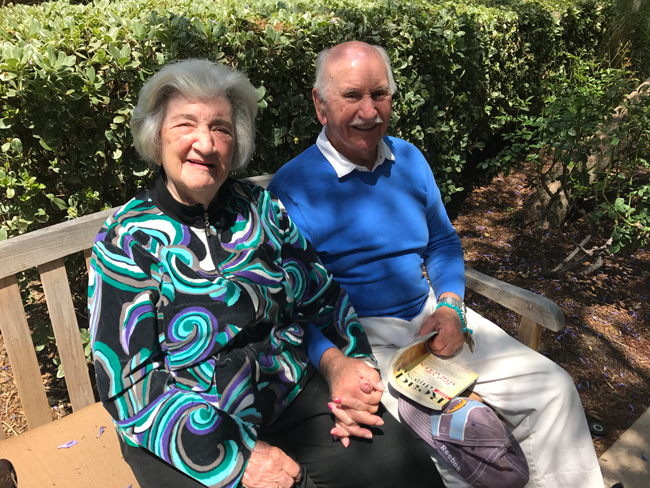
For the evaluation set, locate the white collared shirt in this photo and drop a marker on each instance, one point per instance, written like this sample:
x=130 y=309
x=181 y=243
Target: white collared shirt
x=343 y=165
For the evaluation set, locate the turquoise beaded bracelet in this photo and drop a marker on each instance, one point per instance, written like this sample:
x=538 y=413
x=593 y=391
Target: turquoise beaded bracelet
x=459 y=311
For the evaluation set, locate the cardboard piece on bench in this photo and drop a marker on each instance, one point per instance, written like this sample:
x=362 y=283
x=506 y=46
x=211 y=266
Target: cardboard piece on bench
x=92 y=463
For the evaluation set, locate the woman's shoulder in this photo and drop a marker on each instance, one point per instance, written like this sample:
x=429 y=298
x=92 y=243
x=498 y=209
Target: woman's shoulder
x=267 y=205
x=134 y=215
x=259 y=195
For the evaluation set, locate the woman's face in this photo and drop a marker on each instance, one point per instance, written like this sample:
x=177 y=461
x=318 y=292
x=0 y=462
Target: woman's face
x=197 y=141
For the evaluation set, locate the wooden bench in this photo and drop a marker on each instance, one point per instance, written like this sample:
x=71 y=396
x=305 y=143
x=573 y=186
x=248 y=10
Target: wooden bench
x=96 y=461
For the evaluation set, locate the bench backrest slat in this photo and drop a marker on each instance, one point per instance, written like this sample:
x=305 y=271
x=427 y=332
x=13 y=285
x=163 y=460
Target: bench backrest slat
x=261 y=180
x=66 y=332
x=45 y=245
x=22 y=356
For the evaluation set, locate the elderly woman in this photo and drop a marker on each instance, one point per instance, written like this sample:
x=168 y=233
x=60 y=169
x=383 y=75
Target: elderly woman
x=201 y=293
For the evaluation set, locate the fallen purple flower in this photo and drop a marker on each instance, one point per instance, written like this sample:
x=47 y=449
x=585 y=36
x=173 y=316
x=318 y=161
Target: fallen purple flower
x=67 y=445
x=643 y=457
x=101 y=431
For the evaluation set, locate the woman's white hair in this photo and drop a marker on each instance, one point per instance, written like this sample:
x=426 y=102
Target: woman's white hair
x=323 y=58
x=195 y=79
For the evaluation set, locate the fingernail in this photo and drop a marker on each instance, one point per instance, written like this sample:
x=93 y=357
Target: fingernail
x=337 y=400
x=380 y=423
x=330 y=406
x=367 y=436
x=381 y=385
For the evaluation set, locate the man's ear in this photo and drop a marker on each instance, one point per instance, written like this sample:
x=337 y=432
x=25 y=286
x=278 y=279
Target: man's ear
x=320 y=106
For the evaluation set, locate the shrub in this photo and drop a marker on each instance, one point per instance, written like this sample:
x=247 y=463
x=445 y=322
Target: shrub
x=630 y=29
x=70 y=74
x=589 y=149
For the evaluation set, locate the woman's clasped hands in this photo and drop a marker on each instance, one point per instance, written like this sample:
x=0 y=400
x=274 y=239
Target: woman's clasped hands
x=356 y=390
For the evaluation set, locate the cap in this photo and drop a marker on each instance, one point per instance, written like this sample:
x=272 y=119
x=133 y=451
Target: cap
x=472 y=439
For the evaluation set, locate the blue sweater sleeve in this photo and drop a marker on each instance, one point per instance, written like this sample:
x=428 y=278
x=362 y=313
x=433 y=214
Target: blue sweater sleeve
x=443 y=257
x=316 y=344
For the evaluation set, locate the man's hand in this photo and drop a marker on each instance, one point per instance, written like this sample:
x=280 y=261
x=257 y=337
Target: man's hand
x=270 y=467
x=450 y=331
x=356 y=392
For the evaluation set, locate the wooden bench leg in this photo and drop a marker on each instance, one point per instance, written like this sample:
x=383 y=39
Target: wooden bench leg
x=529 y=333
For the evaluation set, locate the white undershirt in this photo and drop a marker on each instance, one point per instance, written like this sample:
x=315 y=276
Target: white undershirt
x=343 y=165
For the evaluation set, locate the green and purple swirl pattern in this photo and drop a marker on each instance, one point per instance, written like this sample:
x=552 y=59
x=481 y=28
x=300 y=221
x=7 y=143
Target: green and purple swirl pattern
x=197 y=335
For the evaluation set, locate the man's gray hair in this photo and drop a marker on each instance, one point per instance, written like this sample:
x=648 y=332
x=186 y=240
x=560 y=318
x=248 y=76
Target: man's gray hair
x=195 y=79
x=323 y=58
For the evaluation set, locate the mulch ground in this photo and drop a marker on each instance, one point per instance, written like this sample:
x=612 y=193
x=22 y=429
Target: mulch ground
x=605 y=346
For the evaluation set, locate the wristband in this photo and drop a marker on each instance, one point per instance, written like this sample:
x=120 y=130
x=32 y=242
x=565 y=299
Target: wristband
x=459 y=307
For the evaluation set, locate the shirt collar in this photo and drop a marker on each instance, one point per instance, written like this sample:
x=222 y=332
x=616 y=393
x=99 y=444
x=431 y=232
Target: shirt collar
x=342 y=165
x=191 y=215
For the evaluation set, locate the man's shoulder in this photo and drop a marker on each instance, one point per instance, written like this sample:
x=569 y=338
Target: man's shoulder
x=400 y=146
x=304 y=161
x=307 y=167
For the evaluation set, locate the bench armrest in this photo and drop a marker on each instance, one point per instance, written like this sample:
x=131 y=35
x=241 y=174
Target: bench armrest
x=536 y=311
x=534 y=307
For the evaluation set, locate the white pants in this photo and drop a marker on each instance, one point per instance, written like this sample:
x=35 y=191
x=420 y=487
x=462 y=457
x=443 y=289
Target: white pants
x=535 y=397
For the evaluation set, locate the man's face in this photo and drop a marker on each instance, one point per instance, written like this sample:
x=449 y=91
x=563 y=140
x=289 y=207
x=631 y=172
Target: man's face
x=357 y=106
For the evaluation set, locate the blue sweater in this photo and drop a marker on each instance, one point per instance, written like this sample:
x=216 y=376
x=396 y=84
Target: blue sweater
x=373 y=231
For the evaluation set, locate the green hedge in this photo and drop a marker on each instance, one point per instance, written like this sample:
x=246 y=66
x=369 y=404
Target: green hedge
x=70 y=74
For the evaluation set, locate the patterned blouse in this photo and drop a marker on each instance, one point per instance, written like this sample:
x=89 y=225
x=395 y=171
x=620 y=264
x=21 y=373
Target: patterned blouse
x=197 y=320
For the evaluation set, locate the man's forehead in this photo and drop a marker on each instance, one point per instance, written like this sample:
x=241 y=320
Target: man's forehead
x=348 y=83
x=351 y=72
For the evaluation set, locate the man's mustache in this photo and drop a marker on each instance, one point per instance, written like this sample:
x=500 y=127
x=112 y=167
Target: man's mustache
x=366 y=123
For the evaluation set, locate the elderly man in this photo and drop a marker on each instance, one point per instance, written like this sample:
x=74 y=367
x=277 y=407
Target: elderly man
x=370 y=206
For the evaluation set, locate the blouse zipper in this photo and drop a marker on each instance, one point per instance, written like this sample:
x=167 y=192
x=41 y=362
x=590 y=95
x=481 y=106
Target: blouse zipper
x=208 y=233
x=208 y=229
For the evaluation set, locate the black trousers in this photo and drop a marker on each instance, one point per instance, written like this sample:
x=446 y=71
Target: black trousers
x=393 y=458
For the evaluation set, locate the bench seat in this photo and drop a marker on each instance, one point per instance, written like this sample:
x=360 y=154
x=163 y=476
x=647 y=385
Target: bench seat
x=92 y=462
